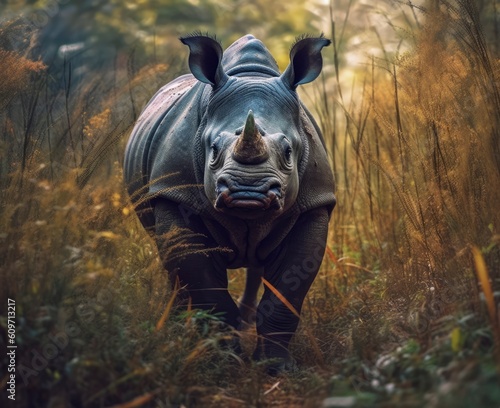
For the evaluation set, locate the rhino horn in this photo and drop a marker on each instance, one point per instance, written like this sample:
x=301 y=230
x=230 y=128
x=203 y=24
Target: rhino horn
x=250 y=147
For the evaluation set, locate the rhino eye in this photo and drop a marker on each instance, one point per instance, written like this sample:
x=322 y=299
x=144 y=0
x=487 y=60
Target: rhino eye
x=215 y=148
x=287 y=150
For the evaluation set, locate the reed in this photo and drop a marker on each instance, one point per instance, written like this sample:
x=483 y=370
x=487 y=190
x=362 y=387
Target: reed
x=396 y=309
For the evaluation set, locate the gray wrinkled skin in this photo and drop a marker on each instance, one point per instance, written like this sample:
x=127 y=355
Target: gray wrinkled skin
x=231 y=154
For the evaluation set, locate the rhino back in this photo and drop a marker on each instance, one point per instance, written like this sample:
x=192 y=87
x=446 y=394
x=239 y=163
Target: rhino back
x=159 y=153
x=249 y=56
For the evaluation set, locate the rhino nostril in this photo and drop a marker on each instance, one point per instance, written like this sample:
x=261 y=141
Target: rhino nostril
x=221 y=185
x=276 y=189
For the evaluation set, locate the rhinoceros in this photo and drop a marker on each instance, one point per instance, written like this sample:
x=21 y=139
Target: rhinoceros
x=230 y=158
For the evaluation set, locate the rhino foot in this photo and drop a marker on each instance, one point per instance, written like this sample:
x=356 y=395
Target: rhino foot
x=276 y=363
x=277 y=366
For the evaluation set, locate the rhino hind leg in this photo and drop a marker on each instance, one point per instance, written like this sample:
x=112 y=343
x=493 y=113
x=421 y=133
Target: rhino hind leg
x=191 y=258
x=247 y=303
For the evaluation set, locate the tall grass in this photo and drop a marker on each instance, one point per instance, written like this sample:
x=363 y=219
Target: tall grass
x=425 y=150
x=396 y=309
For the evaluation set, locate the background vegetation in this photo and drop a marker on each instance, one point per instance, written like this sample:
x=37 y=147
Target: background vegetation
x=404 y=311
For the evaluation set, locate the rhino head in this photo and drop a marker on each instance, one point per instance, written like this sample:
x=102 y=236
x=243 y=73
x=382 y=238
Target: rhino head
x=252 y=135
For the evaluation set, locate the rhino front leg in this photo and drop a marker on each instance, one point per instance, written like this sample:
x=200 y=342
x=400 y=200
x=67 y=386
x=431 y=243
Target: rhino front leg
x=190 y=255
x=291 y=273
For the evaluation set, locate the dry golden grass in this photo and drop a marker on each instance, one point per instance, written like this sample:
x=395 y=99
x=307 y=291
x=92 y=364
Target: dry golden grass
x=395 y=317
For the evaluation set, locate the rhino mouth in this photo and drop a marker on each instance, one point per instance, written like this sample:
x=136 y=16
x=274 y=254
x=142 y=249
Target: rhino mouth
x=249 y=198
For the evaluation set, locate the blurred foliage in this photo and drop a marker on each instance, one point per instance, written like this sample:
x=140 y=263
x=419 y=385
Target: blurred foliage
x=409 y=106
x=150 y=27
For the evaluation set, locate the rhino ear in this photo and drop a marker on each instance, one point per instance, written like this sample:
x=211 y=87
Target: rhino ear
x=205 y=59
x=305 y=61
